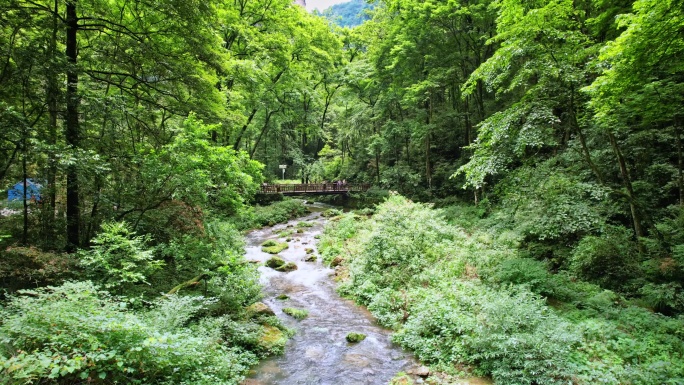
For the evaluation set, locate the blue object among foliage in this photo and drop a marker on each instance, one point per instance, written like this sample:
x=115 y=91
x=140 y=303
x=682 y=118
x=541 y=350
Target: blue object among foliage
x=16 y=193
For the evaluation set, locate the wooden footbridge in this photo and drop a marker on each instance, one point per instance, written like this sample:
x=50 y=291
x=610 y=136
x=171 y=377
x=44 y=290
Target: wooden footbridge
x=314 y=188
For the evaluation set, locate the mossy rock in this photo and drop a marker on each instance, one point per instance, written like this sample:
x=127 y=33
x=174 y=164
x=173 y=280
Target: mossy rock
x=284 y=234
x=337 y=261
x=309 y=250
x=305 y=224
x=273 y=247
x=300 y=231
x=275 y=262
x=289 y=239
x=269 y=243
x=282 y=297
x=272 y=339
x=296 y=313
x=355 y=337
x=290 y=266
x=310 y=258
x=258 y=309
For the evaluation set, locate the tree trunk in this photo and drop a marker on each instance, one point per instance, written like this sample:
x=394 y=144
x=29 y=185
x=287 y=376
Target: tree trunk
x=582 y=139
x=72 y=133
x=24 y=238
x=236 y=146
x=264 y=129
x=680 y=164
x=627 y=181
x=52 y=97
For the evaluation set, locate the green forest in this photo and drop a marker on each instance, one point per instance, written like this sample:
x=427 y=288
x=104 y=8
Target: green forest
x=525 y=222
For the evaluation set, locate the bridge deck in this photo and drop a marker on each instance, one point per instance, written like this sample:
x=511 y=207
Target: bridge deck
x=314 y=188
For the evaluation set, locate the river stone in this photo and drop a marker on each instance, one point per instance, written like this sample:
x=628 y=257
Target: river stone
x=336 y=262
x=272 y=338
x=355 y=337
x=275 y=262
x=310 y=258
x=309 y=250
x=290 y=266
x=422 y=371
x=258 y=309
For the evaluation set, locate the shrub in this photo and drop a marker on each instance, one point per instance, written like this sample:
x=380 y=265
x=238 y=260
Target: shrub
x=609 y=260
x=278 y=212
x=22 y=267
x=75 y=333
x=235 y=285
x=406 y=238
x=118 y=257
x=507 y=334
x=331 y=244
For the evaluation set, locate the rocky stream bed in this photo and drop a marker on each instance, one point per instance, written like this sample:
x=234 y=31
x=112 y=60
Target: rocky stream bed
x=319 y=353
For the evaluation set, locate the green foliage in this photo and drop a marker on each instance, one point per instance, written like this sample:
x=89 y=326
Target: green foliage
x=24 y=266
x=332 y=244
x=458 y=298
x=277 y=212
x=509 y=335
x=75 y=332
x=235 y=285
x=609 y=259
x=119 y=258
x=331 y=213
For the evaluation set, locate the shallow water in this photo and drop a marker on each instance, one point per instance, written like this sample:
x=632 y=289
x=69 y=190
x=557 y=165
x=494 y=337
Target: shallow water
x=318 y=354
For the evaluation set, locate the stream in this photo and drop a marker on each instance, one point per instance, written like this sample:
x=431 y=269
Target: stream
x=318 y=354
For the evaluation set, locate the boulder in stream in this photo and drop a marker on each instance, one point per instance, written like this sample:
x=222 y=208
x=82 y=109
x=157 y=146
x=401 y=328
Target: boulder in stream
x=273 y=247
x=275 y=262
x=421 y=371
x=290 y=266
x=310 y=258
x=355 y=337
x=259 y=309
x=296 y=313
x=272 y=339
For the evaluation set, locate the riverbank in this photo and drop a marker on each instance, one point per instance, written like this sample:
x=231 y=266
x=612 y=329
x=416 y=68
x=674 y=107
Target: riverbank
x=468 y=302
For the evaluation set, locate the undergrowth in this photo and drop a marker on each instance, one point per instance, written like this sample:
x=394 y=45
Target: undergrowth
x=277 y=212
x=462 y=294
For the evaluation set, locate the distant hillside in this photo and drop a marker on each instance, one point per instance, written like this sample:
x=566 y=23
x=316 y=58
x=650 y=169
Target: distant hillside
x=348 y=14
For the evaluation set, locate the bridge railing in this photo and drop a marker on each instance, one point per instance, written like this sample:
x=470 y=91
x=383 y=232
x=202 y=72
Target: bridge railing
x=314 y=188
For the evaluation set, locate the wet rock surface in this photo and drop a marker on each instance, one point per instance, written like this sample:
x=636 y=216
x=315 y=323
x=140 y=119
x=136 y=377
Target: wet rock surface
x=319 y=354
